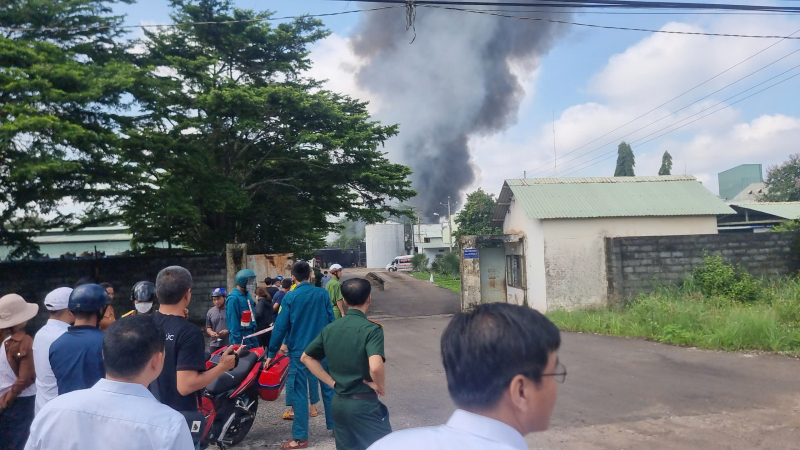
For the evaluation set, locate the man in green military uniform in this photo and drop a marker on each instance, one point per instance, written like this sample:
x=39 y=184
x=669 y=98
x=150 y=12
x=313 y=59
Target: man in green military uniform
x=353 y=348
x=334 y=289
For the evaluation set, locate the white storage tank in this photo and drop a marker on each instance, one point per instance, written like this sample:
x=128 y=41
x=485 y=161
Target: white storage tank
x=384 y=243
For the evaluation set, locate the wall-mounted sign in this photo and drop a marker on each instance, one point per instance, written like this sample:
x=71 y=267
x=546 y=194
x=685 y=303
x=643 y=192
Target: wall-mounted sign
x=470 y=253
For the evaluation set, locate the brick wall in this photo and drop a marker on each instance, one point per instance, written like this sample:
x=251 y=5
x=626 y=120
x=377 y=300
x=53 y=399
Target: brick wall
x=33 y=280
x=636 y=264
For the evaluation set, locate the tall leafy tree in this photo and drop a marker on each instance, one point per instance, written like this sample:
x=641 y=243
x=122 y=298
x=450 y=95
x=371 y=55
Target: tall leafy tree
x=237 y=145
x=625 y=161
x=783 y=181
x=666 y=164
x=476 y=217
x=63 y=73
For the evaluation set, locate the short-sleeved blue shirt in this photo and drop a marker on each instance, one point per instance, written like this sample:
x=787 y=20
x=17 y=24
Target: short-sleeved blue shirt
x=76 y=358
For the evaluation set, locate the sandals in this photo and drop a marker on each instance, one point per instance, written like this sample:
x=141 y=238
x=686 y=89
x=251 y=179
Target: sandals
x=299 y=443
x=314 y=414
x=288 y=415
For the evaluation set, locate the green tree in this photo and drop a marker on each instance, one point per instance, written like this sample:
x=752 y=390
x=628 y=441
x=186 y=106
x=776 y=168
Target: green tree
x=236 y=145
x=476 y=217
x=625 y=161
x=666 y=164
x=783 y=181
x=420 y=262
x=61 y=100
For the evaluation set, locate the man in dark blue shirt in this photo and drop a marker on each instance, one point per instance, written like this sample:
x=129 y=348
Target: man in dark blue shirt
x=305 y=312
x=76 y=357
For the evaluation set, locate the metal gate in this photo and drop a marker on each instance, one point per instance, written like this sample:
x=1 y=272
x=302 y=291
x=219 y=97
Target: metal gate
x=493 y=274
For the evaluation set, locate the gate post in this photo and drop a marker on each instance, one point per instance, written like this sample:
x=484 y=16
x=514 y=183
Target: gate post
x=470 y=274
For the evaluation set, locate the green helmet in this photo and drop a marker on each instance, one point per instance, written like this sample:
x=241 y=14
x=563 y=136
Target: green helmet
x=243 y=275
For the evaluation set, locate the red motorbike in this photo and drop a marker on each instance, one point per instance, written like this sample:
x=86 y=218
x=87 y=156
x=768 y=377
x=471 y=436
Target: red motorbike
x=230 y=402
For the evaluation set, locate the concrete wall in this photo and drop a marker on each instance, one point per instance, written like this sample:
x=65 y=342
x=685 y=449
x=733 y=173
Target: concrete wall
x=33 y=280
x=516 y=222
x=575 y=257
x=636 y=264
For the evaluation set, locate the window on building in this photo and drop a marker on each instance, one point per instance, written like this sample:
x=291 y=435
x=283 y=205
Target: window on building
x=515 y=272
x=427 y=240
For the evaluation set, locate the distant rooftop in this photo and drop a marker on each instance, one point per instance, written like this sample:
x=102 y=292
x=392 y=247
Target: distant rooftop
x=783 y=210
x=558 y=198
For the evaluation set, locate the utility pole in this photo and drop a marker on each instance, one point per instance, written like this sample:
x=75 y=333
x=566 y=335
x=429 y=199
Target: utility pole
x=449 y=221
x=419 y=231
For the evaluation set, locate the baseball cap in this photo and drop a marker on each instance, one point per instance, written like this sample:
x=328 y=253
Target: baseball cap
x=279 y=278
x=57 y=299
x=219 y=292
x=335 y=267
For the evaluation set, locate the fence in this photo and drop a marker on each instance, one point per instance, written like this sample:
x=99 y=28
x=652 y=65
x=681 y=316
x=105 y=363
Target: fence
x=637 y=264
x=33 y=280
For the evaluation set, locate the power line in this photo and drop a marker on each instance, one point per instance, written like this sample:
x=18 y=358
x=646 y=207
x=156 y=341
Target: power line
x=672 y=99
x=693 y=103
x=592 y=4
x=609 y=27
x=663 y=13
x=180 y=24
x=686 y=124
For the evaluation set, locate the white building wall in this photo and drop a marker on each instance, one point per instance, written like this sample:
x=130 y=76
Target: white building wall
x=574 y=252
x=384 y=243
x=516 y=222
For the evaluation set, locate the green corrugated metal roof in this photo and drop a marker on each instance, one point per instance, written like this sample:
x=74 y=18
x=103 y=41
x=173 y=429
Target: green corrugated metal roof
x=556 y=198
x=785 y=210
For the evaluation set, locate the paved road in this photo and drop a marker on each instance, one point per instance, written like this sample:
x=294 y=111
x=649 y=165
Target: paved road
x=619 y=394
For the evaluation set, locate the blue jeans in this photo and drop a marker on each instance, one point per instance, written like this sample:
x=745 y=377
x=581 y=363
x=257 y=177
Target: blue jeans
x=300 y=398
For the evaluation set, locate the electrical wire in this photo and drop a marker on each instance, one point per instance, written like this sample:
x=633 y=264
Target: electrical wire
x=690 y=104
x=659 y=13
x=686 y=124
x=179 y=24
x=669 y=101
x=592 y=4
x=609 y=27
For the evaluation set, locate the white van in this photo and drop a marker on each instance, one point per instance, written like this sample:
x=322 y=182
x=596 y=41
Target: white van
x=402 y=263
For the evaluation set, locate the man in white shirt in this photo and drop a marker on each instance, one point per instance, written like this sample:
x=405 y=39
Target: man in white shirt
x=61 y=318
x=118 y=412
x=511 y=393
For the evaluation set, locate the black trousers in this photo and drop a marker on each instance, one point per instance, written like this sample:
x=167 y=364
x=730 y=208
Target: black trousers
x=15 y=423
x=263 y=339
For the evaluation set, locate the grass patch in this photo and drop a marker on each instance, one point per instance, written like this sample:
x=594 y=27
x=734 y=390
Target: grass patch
x=768 y=319
x=445 y=281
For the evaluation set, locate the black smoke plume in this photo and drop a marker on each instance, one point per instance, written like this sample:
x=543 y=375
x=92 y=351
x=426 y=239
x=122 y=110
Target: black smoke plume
x=455 y=81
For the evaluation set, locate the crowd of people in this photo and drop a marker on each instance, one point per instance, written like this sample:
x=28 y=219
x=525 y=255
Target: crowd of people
x=87 y=379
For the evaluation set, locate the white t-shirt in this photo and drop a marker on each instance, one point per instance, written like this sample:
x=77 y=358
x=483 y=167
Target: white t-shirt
x=46 y=386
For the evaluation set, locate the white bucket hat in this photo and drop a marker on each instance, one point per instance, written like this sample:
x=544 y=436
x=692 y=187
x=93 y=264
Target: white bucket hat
x=14 y=310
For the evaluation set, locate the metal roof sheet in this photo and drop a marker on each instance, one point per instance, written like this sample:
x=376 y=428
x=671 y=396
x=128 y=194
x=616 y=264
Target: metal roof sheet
x=784 y=210
x=560 y=198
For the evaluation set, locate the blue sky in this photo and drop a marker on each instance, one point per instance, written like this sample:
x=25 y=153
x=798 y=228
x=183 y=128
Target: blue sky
x=595 y=80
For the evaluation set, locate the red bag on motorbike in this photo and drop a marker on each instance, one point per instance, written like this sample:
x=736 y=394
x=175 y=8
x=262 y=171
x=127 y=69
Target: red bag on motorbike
x=273 y=378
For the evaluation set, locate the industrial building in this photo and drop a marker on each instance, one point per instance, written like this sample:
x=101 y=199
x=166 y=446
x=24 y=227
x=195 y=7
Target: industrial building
x=735 y=180
x=88 y=242
x=385 y=241
x=757 y=217
x=434 y=240
x=552 y=252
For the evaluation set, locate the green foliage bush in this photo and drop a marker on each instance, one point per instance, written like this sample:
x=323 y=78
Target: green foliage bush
x=684 y=315
x=718 y=278
x=419 y=262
